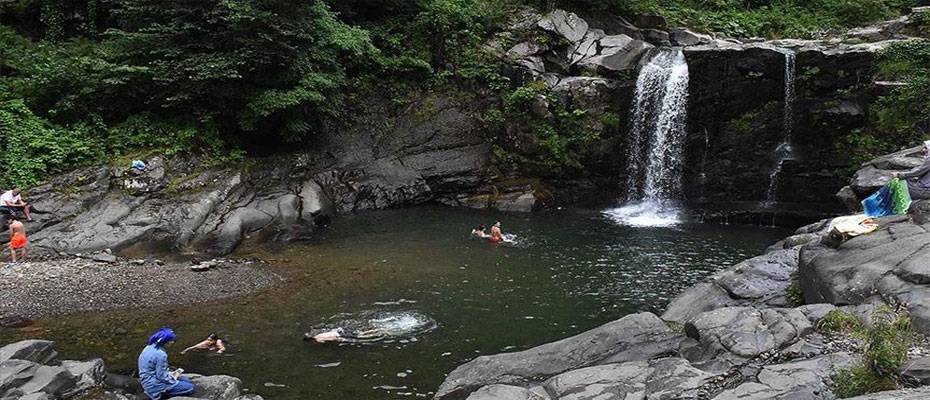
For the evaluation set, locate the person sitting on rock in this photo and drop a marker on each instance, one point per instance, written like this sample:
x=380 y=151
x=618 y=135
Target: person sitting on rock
x=18 y=239
x=156 y=381
x=211 y=343
x=479 y=232
x=918 y=188
x=13 y=201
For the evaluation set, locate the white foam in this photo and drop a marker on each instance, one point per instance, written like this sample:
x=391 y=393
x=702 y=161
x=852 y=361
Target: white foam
x=644 y=214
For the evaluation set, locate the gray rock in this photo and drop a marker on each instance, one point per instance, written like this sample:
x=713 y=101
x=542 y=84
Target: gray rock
x=525 y=49
x=886 y=263
x=737 y=334
x=507 y=392
x=619 y=53
x=217 y=387
x=848 y=197
x=761 y=280
x=36 y=396
x=916 y=371
x=815 y=312
x=667 y=378
x=515 y=202
x=684 y=37
x=38 y=351
x=634 y=337
x=87 y=374
x=21 y=378
x=808 y=379
x=104 y=258
x=568 y=25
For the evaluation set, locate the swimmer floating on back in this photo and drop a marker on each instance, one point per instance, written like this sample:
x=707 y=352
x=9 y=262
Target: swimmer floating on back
x=343 y=335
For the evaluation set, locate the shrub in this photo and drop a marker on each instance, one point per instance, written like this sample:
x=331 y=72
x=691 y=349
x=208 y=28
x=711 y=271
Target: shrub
x=886 y=344
x=840 y=321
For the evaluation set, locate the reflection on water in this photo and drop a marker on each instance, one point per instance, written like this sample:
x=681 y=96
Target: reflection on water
x=566 y=272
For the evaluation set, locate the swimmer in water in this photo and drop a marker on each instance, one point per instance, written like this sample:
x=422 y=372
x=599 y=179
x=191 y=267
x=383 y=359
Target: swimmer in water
x=496 y=235
x=211 y=343
x=479 y=232
x=343 y=335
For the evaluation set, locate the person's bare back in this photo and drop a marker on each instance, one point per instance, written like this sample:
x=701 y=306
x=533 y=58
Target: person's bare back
x=18 y=240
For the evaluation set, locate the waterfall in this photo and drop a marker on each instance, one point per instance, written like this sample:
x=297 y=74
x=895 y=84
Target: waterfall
x=656 y=142
x=784 y=152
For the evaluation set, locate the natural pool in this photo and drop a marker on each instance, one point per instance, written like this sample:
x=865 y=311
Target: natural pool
x=568 y=271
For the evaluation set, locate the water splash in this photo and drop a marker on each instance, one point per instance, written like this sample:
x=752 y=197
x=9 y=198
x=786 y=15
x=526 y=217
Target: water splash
x=390 y=326
x=784 y=151
x=656 y=142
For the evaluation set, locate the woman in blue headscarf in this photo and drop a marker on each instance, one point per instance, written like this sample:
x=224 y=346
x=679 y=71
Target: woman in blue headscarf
x=157 y=382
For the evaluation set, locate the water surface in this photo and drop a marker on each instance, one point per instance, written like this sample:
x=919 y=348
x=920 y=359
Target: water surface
x=567 y=272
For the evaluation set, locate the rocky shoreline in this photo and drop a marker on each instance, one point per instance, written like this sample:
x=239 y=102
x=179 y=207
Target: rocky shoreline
x=31 y=370
x=101 y=282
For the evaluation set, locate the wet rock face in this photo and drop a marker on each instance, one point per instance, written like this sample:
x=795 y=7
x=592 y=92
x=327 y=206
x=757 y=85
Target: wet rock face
x=733 y=137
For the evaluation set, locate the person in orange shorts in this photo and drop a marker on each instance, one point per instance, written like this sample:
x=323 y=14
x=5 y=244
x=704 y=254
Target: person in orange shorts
x=18 y=240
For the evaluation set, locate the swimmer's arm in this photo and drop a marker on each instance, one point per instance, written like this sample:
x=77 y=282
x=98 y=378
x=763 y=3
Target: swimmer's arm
x=199 y=346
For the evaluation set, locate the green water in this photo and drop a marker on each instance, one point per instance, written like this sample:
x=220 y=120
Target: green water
x=569 y=271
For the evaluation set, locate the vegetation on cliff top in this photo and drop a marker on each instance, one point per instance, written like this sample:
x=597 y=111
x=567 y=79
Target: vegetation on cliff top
x=85 y=80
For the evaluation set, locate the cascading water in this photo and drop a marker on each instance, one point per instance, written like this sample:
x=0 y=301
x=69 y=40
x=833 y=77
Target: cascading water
x=784 y=151
x=656 y=142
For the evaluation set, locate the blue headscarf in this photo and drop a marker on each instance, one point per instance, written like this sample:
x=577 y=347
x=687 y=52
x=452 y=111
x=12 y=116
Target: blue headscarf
x=162 y=336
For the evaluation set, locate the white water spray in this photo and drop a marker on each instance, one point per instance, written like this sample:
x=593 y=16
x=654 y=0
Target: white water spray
x=656 y=143
x=784 y=151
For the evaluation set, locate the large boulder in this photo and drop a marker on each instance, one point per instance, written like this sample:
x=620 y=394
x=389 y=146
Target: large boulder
x=888 y=263
x=20 y=378
x=634 y=337
x=216 y=387
x=568 y=25
x=37 y=351
x=916 y=371
x=87 y=374
x=761 y=280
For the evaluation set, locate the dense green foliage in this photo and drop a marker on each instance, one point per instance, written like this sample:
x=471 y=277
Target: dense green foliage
x=900 y=118
x=94 y=79
x=886 y=342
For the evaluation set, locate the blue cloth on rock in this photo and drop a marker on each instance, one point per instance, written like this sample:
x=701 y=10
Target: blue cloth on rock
x=879 y=204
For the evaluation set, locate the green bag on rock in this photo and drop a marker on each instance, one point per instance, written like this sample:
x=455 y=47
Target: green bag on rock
x=900 y=197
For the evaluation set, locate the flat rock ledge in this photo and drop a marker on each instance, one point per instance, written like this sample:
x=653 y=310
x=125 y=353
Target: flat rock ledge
x=30 y=370
x=38 y=289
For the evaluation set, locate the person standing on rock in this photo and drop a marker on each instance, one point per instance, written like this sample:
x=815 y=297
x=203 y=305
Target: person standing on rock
x=18 y=240
x=12 y=200
x=156 y=381
x=919 y=188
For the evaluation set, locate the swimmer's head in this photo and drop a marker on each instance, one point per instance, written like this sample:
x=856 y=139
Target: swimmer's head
x=213 y=336
x=497 y=224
